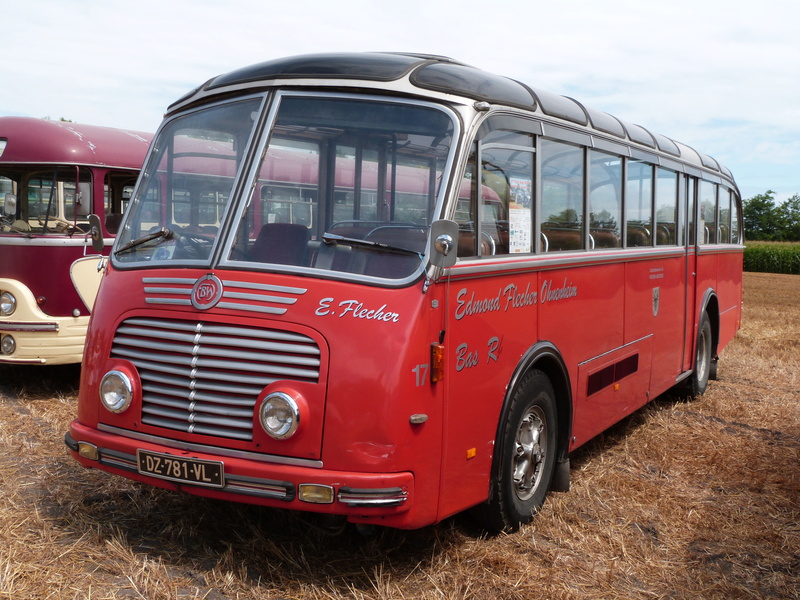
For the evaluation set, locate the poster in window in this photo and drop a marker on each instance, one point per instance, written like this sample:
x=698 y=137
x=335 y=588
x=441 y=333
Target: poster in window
x=519 y=216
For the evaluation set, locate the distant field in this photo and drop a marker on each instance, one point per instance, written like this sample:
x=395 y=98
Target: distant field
x=682 y=501
x=772 y=257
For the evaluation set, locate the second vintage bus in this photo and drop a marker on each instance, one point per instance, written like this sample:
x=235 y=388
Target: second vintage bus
x=53 y=176
x=393 y=287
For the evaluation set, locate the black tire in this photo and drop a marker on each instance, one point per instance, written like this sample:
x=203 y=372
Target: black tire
x=526 y=458
x=703 y=359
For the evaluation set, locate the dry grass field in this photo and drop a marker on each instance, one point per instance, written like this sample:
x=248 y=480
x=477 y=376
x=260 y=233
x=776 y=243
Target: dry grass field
x=683 y=500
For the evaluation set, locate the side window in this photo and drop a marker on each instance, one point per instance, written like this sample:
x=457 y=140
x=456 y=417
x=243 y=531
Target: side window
x=666 y=207
x=707 y=233
x=736 y=236
x=506 y=206
x=691 y=199
x=638 y=204
x=562 y=196
x=724 y=228
x=605 y=201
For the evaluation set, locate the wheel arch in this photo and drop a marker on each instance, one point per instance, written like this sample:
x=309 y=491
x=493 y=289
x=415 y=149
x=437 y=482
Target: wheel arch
x=710 y=305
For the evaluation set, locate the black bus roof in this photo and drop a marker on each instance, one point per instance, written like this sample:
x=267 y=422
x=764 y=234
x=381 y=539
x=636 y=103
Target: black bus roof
x=448 y=76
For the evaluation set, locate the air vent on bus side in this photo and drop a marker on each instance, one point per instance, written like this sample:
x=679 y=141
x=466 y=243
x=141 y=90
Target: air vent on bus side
x=204 y=378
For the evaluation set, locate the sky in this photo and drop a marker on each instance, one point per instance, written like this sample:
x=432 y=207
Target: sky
x=718 y=75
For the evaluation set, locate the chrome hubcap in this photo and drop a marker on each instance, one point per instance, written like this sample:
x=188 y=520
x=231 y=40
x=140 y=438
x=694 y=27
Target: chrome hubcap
x=530 y=448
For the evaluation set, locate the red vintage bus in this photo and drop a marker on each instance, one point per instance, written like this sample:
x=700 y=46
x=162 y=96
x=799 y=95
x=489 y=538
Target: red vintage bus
x=393 y=287
x=53 y=175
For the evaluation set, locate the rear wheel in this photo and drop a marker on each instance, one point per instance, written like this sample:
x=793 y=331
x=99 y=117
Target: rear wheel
x=527 y=457
x=703 y=359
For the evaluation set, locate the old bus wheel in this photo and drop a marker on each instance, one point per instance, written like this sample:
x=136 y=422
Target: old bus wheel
x=698 y=382
x=527 y=457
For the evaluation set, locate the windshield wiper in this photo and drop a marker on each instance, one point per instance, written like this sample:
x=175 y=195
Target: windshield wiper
x=161 y=233
x=332 y=238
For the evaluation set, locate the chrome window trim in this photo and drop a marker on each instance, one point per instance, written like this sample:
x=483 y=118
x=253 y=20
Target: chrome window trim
x=264 y=136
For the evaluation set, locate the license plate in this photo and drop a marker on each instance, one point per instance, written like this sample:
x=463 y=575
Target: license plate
x=184 y=470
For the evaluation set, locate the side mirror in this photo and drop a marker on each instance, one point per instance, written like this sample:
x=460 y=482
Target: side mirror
x=444 y=240
x=96 y=232
x=10 y=206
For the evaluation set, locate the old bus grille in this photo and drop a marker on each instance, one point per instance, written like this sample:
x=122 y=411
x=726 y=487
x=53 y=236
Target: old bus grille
x=205 y=378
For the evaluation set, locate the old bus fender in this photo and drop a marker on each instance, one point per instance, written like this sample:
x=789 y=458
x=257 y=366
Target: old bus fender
x=546 y=357
x=86 y=277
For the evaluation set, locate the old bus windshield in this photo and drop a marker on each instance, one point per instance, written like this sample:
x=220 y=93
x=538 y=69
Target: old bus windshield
x=187 y=185
x=347 y=185
x=343 y=184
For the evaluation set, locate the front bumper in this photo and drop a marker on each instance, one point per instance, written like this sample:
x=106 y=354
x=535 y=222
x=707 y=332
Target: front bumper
x=55 y=341
x=254 y=478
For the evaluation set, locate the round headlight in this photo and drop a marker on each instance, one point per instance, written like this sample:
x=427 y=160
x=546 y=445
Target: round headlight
x=8 y=344
x=116 y=391
x=8 y=304
x=279 y=415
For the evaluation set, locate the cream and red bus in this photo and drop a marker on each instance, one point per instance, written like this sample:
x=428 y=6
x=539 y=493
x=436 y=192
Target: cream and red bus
x=392 y=287
x=53 y=176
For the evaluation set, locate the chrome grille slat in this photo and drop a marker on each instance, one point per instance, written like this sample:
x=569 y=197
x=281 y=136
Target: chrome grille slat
x=204 y=378
x=178 y=415
x=253 y=380
x=135 y=355
x=216 y=387
x=200 y=399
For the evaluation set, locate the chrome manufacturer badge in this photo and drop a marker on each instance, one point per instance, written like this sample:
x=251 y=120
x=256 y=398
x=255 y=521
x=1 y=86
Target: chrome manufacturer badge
x=206 y=292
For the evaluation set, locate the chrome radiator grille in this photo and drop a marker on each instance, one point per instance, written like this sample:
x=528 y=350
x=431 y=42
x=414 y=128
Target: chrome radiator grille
x=205 y=378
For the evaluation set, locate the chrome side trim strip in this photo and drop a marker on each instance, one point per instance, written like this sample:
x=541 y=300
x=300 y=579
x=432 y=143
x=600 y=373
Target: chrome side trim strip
x=28 y=326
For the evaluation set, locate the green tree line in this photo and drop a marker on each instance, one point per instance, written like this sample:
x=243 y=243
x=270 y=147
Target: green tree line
x=765 y=220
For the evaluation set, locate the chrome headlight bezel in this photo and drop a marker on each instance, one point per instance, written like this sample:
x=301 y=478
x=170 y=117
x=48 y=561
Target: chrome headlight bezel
x=8 y=304
x=279 y=415
x=116 y=391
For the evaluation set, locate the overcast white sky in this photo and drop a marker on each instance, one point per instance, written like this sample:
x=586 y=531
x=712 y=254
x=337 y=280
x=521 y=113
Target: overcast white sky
x=720 y=75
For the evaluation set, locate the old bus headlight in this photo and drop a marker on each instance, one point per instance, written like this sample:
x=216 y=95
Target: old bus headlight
x=116 y=391
x=8 y=344
x=8 y=304
x=279 y=415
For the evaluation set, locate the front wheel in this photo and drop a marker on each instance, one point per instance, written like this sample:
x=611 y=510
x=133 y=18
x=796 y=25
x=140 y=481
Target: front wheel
x=526 y=459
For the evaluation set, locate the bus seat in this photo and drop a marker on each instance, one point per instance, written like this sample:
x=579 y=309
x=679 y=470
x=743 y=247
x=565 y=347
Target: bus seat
x=466 y=244
x=113 y=221
x=560 y=239
x=400 y=236
x=331 y=257
x=281 y=243
x=382 y=264
x=638 y=236
x=605 y=238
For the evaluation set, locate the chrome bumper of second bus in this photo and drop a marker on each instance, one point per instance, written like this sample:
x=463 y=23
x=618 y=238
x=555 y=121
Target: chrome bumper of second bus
x=250 y=486
x=43 y=342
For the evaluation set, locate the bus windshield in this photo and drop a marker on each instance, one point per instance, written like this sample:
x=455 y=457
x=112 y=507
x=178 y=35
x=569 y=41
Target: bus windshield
x=58 y=200
x=347 y=185
x=187 y=185
x=344 y=184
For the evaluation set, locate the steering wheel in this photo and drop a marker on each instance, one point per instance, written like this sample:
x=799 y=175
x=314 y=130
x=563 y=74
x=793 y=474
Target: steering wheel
x=59 y=225
x=190 y=244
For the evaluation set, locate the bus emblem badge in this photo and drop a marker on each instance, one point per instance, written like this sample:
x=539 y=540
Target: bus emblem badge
x=206 y=292
x=656 y=300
